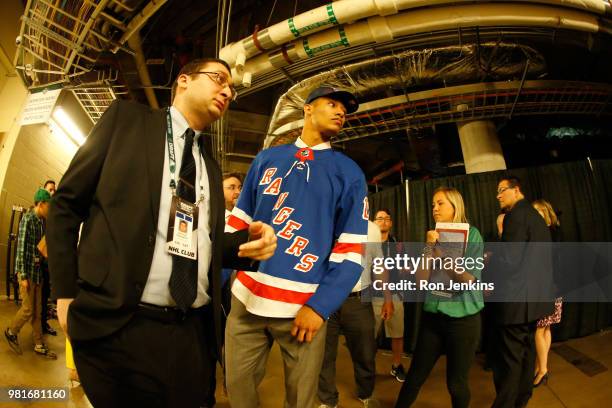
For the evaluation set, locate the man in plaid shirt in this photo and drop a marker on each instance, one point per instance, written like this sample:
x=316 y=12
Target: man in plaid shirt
x=27 y=267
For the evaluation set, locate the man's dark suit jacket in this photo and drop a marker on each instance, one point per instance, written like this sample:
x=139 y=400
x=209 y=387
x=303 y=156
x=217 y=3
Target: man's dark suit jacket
x=113 y=185
x=522 y=268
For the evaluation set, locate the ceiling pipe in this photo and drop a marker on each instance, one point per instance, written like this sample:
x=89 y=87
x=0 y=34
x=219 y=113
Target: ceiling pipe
x=141 y=66
x=138 y=21
x=348 y=11
x=396 y=168
x=382 y=29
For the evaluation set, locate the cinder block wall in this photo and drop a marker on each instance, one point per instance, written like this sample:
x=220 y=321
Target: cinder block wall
x=38 y=155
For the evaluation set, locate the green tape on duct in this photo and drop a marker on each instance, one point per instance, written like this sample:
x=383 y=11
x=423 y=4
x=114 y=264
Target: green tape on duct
x=331 y=20
x=331 y=15
x=311 y=52
x=308 y=50
x=294 y=30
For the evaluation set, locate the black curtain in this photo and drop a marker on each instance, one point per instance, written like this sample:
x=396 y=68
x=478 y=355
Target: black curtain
x=580 y=191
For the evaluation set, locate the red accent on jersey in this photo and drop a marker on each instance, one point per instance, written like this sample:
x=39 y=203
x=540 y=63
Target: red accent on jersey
x=305 y=153
x=306 y=263
x=287 y=231
x=297 y=246
x=270 y=292
x=344 y=247
x=267 y=177
x=237 y=223
x=280 y=201
x=282 y=215
x=366 y=209
x=274 y=187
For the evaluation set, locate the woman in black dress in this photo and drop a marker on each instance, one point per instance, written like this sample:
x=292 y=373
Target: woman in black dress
x=543 y=337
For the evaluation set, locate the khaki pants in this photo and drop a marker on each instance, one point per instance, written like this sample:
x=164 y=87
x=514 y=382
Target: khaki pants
x=248 y=339
x=29 y=312
x=394 y=327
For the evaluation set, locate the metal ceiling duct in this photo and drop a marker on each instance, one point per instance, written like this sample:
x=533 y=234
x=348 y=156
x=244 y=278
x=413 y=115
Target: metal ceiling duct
x=404 y=72
x=478 y=101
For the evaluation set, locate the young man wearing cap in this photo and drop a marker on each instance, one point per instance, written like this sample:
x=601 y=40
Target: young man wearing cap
x=315 y=198
x=28 y=269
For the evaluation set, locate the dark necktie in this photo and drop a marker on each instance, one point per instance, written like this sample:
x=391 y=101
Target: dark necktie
x=184 y=277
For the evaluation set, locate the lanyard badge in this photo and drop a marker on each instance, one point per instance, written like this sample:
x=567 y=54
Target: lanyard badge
x=182 y=229
x=182 y=236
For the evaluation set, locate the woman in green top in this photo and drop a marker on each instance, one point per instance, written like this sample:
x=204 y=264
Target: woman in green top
x=451 y=319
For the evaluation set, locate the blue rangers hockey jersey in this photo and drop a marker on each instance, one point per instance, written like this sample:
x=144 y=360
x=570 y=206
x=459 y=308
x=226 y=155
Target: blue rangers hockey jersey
x=315 y=199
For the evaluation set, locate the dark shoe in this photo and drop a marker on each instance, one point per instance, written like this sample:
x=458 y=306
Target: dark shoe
x=543 y=380
x=43 y=350
x=49 y=330
x=398 y=372
x=13 y=341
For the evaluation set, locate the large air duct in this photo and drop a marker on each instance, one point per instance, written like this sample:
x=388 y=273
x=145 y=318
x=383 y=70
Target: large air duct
x=403 y=72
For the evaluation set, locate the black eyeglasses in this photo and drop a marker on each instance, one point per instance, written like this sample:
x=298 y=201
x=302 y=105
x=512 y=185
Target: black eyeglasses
x=221 y=80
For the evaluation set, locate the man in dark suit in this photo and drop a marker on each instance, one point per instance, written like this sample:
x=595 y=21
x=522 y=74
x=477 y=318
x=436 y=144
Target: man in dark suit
x=139 y=317
x=523 y=267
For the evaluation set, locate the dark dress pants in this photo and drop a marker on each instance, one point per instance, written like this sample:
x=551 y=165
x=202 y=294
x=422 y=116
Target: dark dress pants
x=151 y=362
x=354 y=319
x=439 y=333
x=513 y=364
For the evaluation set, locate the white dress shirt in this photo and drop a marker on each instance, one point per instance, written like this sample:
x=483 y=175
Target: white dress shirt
x=373 y=249
x=157 y=290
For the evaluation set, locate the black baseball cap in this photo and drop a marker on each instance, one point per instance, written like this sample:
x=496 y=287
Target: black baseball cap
x=348 y=99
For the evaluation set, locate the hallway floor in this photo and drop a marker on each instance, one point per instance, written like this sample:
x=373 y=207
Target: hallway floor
x=580 y=379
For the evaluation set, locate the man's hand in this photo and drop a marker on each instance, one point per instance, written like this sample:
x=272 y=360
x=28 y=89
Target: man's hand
x=387 y=310
x=262 y=242
x=306 y=324
x=62 y=313
x=25 y=284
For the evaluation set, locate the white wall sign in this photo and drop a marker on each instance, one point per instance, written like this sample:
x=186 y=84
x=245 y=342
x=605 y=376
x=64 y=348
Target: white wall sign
x=39 y=107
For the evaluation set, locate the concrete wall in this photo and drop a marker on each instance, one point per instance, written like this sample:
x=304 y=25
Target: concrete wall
x=31 y=154
x=38 y=155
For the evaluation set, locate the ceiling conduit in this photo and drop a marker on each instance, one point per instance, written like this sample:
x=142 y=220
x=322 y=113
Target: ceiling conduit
x=380 y=29
x=348 y=11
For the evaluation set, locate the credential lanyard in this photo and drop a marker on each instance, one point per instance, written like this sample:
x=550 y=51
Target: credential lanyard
x=172 y=160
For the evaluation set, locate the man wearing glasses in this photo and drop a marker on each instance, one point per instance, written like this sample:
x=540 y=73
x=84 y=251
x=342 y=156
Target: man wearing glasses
x=523 y=281
x=140 y=302
x=394 y=322
x=232 y=185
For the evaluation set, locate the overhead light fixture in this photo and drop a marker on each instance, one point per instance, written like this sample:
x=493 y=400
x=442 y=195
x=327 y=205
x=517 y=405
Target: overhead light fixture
x=69 y=144
x=67 y=125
